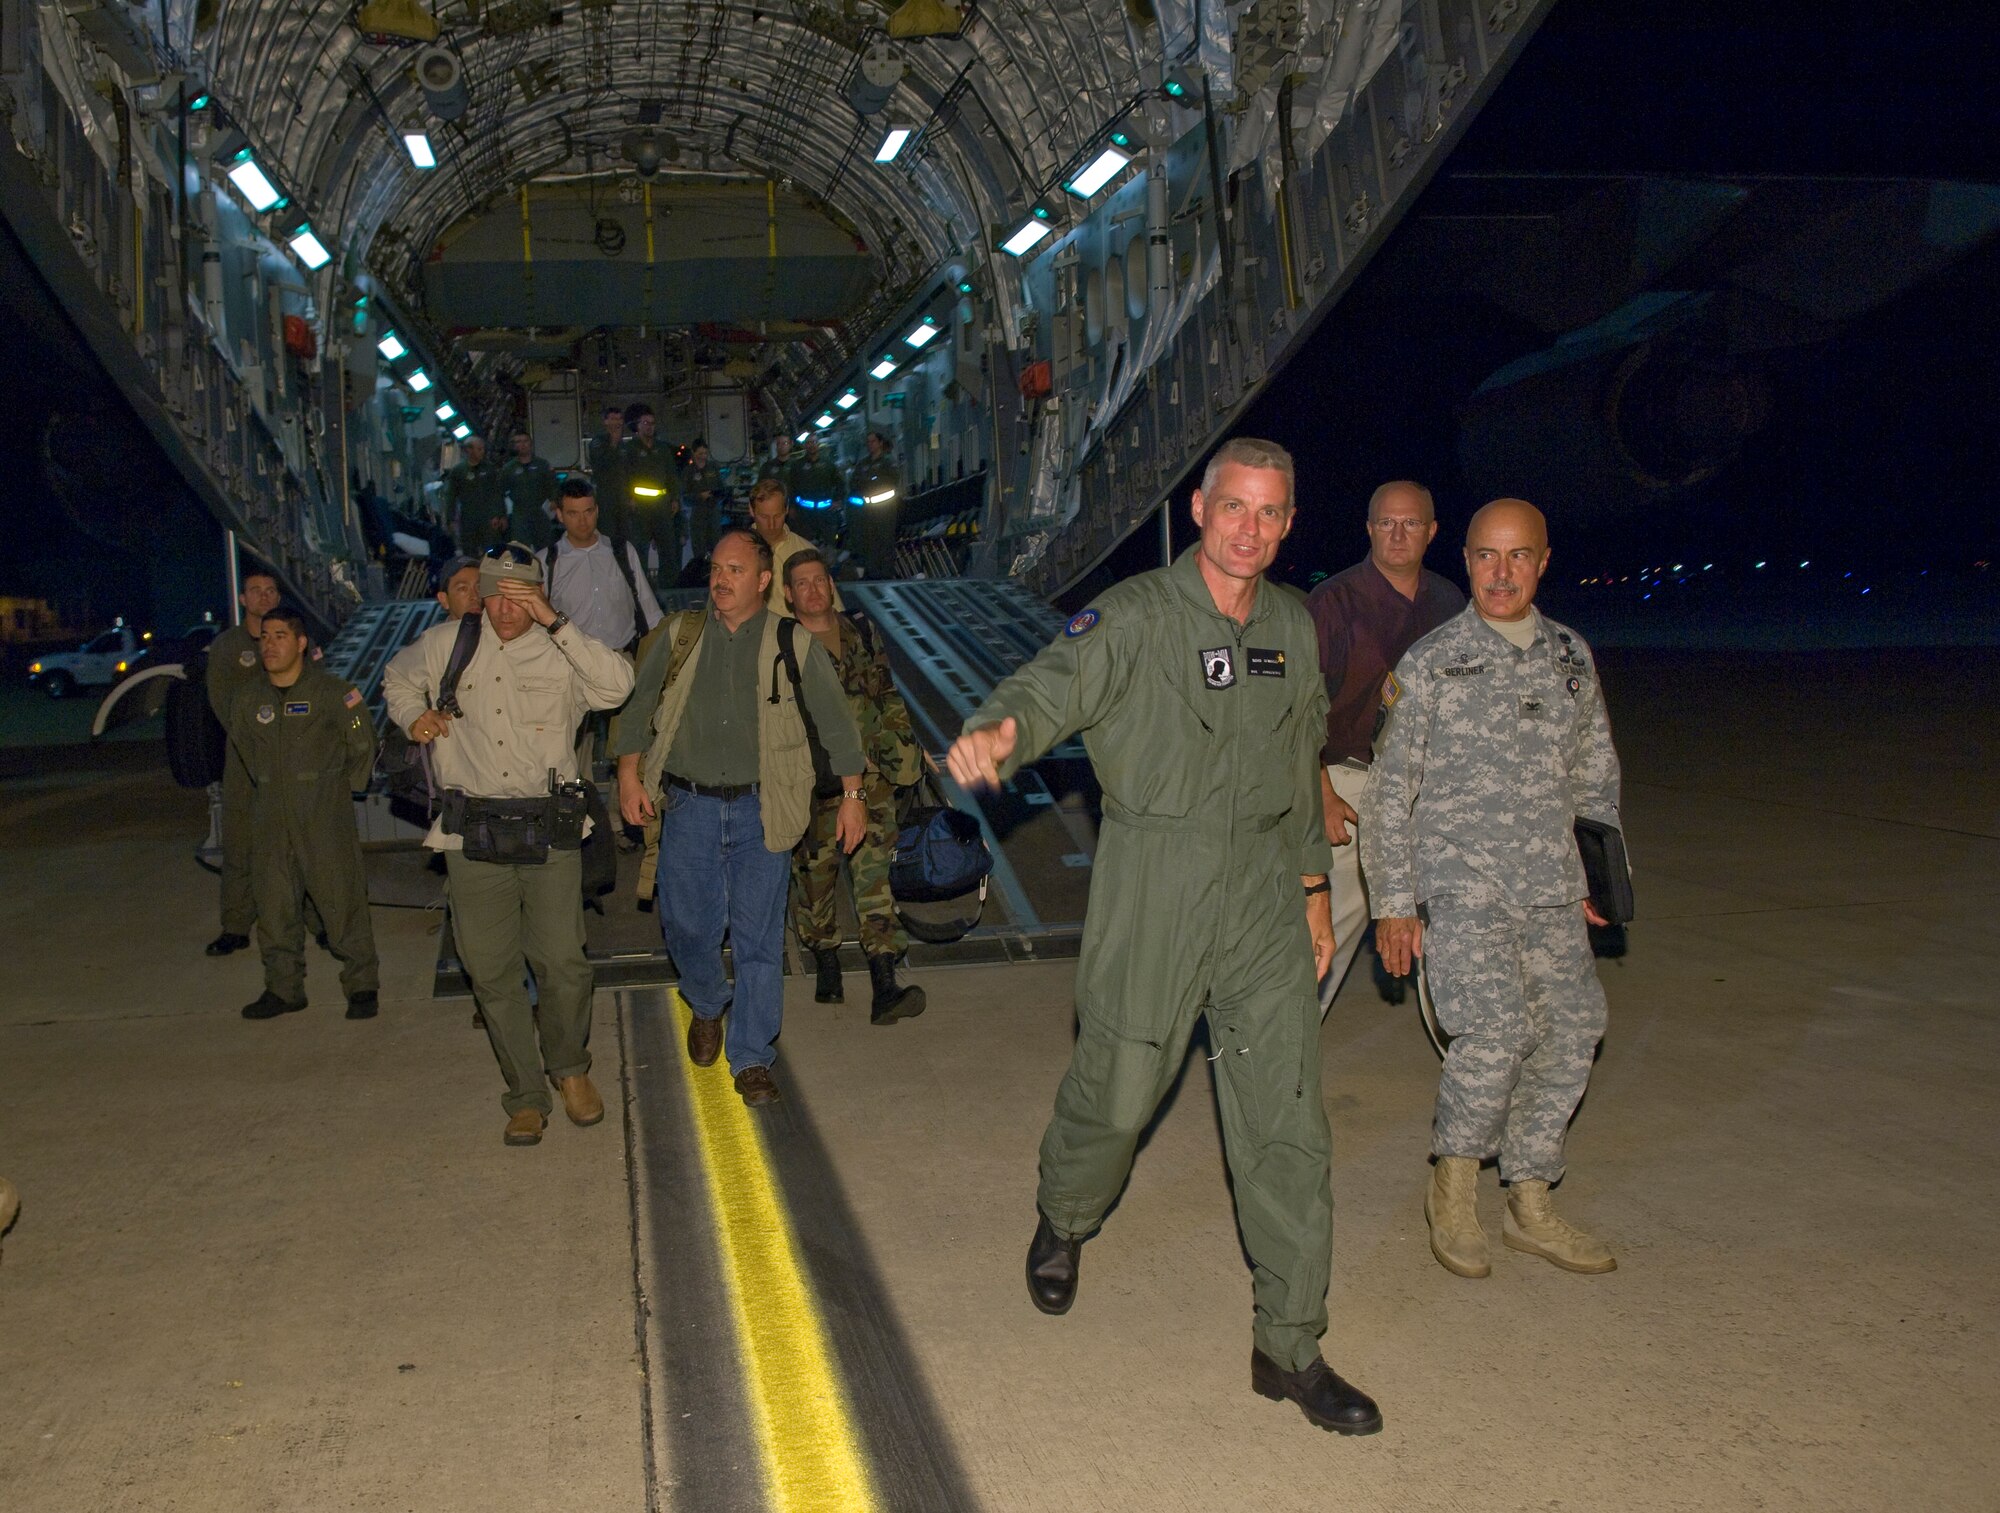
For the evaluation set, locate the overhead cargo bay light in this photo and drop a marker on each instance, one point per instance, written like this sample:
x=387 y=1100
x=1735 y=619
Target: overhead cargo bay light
x=881 y=369
x=296 y=232
x=418 y=146
x=1026 y=237
x=444 y=412
x=419 y=381
x=391 y=346
x=232 y=152
x=893 y=141
x=824 y=420
x=1098 y=172
x=461 y=431
x=922 y=334
x=848 y=400
x=801 y=437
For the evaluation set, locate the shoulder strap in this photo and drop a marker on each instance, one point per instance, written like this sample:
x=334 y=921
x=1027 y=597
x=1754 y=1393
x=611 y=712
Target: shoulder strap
x=788 y=653
x=686 y=633
x=623 y=553
x=455 y=665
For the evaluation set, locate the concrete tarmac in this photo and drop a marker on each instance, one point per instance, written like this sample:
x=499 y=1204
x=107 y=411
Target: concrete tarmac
x=290 y=1265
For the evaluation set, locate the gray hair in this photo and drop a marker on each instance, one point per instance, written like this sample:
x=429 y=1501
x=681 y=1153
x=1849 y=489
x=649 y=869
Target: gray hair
x=1251 y=452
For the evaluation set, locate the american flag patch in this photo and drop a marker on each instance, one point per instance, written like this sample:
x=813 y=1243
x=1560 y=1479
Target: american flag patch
x=353 y=697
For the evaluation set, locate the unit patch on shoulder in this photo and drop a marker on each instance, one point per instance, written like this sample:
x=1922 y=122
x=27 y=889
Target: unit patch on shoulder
x=1218 y=668
x=353 y=698
x=1575 y=684
x=1081 y=623
x=266 y=714
x=299 y=706
x=246 y=659
x=1265 y=662
x=1391 y=691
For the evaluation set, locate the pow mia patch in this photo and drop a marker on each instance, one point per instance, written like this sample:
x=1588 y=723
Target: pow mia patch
x=299 y=706
x=1265 y=662
x=1081 y=623
x=266 y=714
x=1218 y=668
x=246 y=659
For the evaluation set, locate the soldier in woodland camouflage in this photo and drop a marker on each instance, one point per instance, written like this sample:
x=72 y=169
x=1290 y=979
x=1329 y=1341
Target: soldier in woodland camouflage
x=1496 y=741
x=893 y=762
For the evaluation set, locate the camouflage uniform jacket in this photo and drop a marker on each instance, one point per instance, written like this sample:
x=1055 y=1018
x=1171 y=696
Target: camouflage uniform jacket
x=879 y=711
x=1488 y=755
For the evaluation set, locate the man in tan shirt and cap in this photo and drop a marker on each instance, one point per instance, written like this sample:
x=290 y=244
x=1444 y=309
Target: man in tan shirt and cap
x=513 y=823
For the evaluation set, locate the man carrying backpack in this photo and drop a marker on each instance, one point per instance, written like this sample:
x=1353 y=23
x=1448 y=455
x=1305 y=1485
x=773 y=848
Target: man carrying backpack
x=599 y=583
x=893 y=762
x=716 y=741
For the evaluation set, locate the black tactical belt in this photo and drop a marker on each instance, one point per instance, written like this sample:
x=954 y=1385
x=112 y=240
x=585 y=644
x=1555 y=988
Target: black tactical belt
x=727 y=792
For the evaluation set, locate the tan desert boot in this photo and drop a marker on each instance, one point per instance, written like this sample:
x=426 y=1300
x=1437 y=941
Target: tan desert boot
x=1451 y=1204
x=1533 y=1225
x=580 y=1099
x=525 y=1128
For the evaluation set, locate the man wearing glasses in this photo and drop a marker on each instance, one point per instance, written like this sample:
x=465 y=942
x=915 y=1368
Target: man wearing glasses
x=1366 y=618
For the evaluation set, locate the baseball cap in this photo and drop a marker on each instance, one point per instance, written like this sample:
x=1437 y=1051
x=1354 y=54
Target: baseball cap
x=511 y=560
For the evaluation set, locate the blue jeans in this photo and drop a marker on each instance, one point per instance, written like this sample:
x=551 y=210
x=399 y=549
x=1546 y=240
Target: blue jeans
x=714 y=875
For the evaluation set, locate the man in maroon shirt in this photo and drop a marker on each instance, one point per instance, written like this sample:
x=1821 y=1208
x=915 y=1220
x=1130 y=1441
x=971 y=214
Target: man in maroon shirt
x=1367 y=617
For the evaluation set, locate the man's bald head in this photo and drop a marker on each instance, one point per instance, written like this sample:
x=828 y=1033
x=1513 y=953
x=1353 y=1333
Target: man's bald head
x=1402 y=522
x=1506 y=552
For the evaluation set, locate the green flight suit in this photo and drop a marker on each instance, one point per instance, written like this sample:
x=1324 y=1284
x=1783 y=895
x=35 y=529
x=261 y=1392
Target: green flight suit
x=607 y=478
x=1205 y=738
x=474 y=498
x=233 y=663
x=819 y=497
x=701 y=489
x=652 y=520
x=307 y=749
x=530 y=488
x=874 y=505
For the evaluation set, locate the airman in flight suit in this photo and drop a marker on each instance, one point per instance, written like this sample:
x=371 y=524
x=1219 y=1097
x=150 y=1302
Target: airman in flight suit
x=1197 y=692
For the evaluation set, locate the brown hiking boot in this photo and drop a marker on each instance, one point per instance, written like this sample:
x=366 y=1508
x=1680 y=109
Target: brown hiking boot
x=757 y=1085
x=580 y=1099
x=704 y=1039
x=525 y=1127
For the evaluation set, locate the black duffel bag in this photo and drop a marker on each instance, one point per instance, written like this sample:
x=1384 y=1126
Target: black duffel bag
x=941 y=858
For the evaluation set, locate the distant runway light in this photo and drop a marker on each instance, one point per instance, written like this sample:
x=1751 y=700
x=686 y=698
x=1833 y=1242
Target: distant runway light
x=1760 y=566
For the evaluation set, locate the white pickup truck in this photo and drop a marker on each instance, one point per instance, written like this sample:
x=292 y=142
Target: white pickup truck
x=98 y=663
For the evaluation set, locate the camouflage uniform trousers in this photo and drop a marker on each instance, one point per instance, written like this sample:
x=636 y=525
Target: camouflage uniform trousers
x=1517 y=991
x=816 y=872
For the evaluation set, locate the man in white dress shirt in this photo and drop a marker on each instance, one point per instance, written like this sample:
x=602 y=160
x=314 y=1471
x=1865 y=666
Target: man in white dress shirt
x=599 y=583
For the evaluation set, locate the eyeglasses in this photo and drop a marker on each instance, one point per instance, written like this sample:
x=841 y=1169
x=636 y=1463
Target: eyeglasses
x=1397 y=527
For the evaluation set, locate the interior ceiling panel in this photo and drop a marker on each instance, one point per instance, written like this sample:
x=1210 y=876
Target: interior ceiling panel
x=742 y=87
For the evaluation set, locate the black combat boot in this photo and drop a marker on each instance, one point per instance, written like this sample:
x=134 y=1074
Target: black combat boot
x=1052 y=1263
x=225 y=943
x=828 y=988
x=269 y=1006
x=891 y=1002
x=1322 y=1396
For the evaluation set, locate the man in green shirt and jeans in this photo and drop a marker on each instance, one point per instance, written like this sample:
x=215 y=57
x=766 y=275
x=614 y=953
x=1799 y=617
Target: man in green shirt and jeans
x=720 y=709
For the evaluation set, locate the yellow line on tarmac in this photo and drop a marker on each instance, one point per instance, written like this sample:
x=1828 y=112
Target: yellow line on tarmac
x=812 y=1454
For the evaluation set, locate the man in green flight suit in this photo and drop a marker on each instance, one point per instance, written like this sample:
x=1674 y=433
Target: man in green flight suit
x=307 y=742
x=820 y=494
x=530 y=485
x=234 y=662
x=1197 y=691
x=874 y=503
x=652 y=484
x=475 y=506
x=702 y=491
x=605 y=477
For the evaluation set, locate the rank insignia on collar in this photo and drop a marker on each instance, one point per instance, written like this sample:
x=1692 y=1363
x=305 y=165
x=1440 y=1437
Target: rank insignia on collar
x=1218 y=668
x=1081 y=624
x=266 y=714
x=246 y=658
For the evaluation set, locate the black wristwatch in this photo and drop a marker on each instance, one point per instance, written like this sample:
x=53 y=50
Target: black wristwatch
x=558 y=623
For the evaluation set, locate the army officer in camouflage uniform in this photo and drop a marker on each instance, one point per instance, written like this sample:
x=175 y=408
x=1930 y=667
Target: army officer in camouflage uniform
x=1496 y=741
x=307 y=743
x=1197 y=691
x=893 y=762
